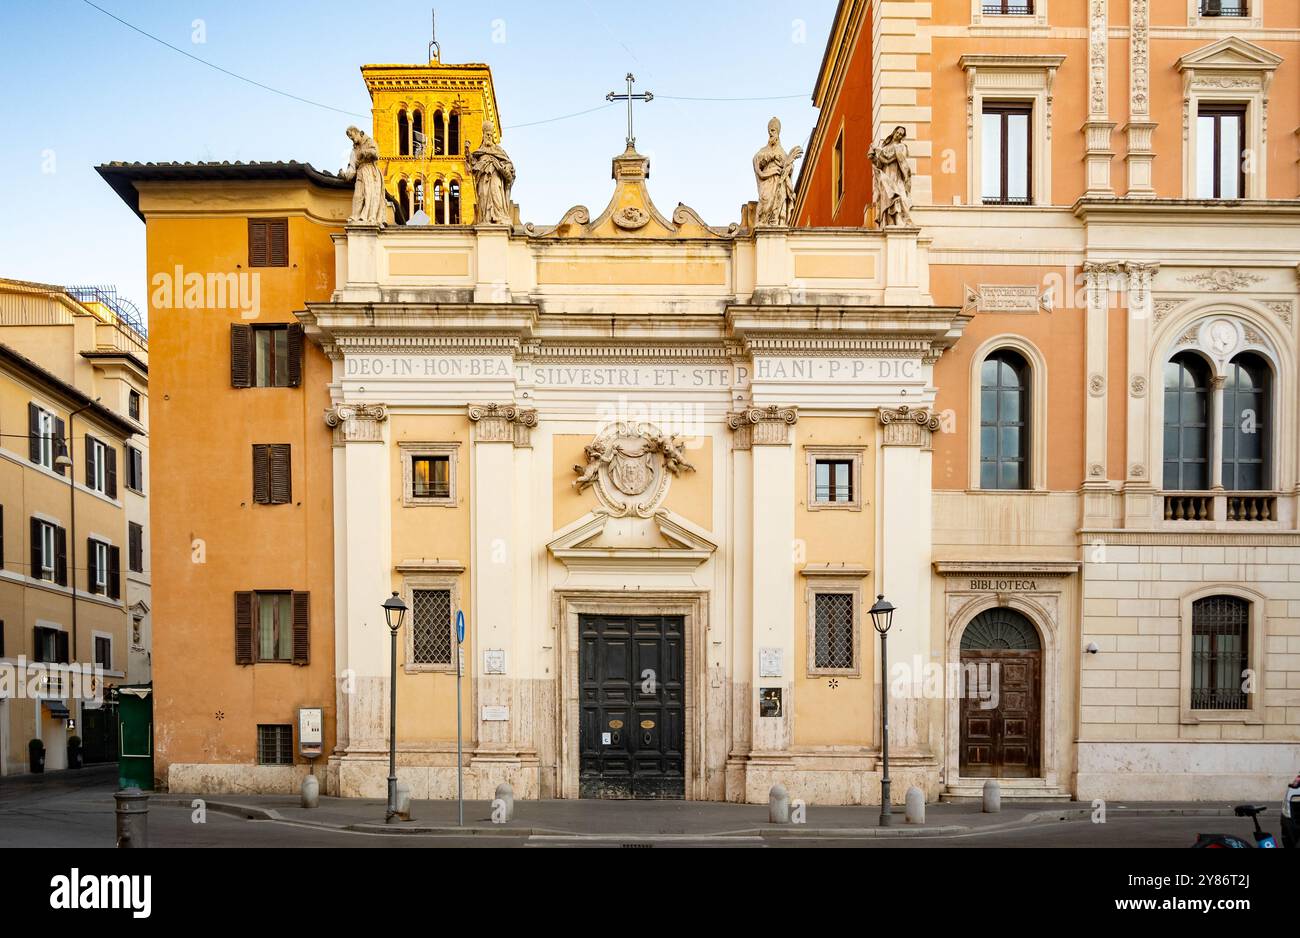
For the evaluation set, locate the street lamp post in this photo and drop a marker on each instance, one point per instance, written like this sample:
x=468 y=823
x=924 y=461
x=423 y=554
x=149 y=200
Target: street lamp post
x=882 y=617
x=394 y=612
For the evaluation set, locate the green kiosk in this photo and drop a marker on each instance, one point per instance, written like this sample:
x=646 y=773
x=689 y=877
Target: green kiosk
x=135 y=729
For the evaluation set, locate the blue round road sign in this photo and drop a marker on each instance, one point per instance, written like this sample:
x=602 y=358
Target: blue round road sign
x=460 y=627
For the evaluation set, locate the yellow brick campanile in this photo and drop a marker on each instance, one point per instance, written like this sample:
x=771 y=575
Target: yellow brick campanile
x=425 y=117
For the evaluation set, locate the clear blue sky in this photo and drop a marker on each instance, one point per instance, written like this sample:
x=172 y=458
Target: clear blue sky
x=84 y=89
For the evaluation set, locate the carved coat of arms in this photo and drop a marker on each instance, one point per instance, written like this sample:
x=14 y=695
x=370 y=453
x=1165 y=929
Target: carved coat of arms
x=629 y=464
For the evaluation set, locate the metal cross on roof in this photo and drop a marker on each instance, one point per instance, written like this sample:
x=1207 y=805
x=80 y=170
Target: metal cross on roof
x=629 y=98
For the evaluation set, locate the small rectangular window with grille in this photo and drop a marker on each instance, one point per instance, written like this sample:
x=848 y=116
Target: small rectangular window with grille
x=275 y=744
x=833 y=642
x=1220 y=653
x=431 y=627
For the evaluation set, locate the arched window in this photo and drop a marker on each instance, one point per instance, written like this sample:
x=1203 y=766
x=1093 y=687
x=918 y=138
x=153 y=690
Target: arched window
x=439 y=140
x=453 y=202
x=1246 y=424
x=1220 y=652
x=404 y=198
x=417 y=133
x=418 y=197
x=1004 y=421
x=1187 y=382
x=453 y=134
x=403 y=134
x=438 y=217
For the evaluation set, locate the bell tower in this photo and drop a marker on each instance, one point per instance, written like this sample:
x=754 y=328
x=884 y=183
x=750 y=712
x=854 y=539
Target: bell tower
x=425 y=117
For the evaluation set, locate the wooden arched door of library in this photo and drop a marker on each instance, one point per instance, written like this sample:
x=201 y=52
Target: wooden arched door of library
x=1001 y=700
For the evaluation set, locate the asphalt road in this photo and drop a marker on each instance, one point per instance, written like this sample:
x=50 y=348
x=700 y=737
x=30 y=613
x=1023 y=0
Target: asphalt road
x=77 y=810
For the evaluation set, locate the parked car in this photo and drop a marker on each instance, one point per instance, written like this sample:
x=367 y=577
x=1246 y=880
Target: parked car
x=1291 y=815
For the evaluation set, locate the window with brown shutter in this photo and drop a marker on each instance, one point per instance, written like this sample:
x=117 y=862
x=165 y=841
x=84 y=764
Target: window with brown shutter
x=135 y=469
x=266 y=356
x=34 y=433
x=262 y=473
x=301 y=628
x=135 y=547
x=93 y=567
x=294 y=364
x=281 y=481
x=60 y=443
x=244 y=628
x=110 y=471
x=114 y=572
x=272 y=474
x=60 y=556
x=268 y=242
x=241 y=353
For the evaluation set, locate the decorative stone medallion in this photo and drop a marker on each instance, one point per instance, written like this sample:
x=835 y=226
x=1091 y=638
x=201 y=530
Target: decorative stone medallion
x=1221 y=337
x=629 y=465
x=631 y=218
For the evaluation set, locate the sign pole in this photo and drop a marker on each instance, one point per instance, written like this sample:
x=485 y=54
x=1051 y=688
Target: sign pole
x=460 y=669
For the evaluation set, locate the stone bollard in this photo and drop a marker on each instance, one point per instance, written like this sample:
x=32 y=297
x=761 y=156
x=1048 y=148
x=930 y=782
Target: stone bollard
x=310 y=791
x=915 y=806
x=403 y=801
x=132 y=818
x=504 y=794
x=778 y=805
x=992 y=797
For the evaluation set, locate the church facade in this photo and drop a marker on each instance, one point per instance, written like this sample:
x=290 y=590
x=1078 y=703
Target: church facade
x=664 y=467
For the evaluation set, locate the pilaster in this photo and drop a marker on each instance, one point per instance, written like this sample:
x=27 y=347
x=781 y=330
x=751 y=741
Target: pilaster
x=363 y=546
x=499 y=526
x=1098 y=128
x=1100 y=280
x=767 y=434
x=906 y=554
x=1140 y=160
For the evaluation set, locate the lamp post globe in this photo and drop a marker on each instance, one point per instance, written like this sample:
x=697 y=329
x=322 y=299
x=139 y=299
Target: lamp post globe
x=394 y=611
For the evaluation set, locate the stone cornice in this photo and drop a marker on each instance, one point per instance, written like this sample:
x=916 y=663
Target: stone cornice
x=1002 y=568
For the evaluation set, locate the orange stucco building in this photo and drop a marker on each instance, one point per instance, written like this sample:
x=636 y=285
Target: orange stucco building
x=1109 y=188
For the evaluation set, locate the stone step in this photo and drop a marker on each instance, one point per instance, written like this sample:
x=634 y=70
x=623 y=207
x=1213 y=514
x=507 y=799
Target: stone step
x=1017 y=790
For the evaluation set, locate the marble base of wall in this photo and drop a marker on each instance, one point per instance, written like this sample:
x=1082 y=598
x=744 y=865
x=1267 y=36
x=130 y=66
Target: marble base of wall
x=1192 y=771
x=432 y=775
x=830 y=778
x=243 y=779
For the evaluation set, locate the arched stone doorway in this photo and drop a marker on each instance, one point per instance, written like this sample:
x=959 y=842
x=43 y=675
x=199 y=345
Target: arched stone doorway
x=1001 y=704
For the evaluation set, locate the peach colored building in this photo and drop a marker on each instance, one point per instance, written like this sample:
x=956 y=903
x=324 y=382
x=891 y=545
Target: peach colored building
x=1109 y=188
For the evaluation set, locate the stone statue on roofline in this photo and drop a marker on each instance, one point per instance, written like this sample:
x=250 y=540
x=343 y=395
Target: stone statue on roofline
x=774 y=173
x=893 y=181
x=494 y=175
x=368 y=199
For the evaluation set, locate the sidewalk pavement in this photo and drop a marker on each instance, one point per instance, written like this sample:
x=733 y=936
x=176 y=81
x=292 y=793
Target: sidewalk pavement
x=686 y=819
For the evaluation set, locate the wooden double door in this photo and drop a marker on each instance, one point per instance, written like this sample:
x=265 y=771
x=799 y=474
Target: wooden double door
x=1001 y=703
x=632 y=706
